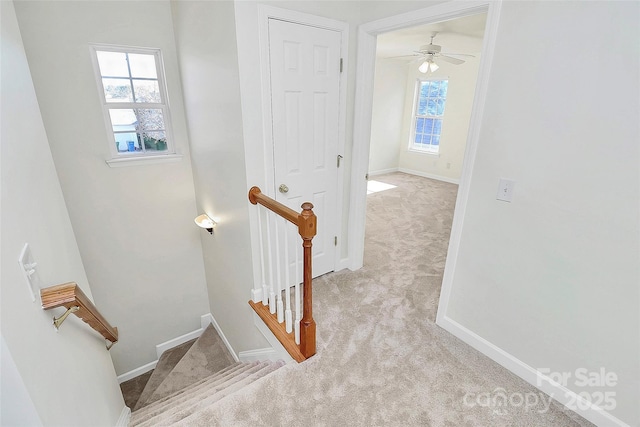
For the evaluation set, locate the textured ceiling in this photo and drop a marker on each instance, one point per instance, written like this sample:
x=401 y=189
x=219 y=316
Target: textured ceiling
x=463 y=35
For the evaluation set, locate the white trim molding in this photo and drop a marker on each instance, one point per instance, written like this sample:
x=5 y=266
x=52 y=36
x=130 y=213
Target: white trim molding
x=125 y=416
x=383 y=171
x=137 y=372
x=558 y=392
x=280 y=353
x=208 y=318
x=429 y=175
x=205 y=320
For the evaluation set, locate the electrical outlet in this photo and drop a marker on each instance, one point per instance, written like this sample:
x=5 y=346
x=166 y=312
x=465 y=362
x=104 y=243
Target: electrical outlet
x=505 y=190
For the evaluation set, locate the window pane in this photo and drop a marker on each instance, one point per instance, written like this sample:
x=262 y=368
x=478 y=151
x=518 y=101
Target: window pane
x=424 y=89
x=150 y=119
x=123 y=120
x=146 y=90
x=432 y=107
x=117 y=90
x=127 y=142
x=434 y=89
x=113 y=64
x=428 y=125
x=419 y=125
x=155 y=141
x=437 y=127
x=426 y=140
x=435 y=140
x=142 y=65
x=443 y=88
x=422 y=106
x=439 y=107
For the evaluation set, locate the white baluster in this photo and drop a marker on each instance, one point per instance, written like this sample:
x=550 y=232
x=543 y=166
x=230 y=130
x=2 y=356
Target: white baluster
x=296 y=325
x=265 y=296
x=272 y=294
x=279 y=305
x=287 y=287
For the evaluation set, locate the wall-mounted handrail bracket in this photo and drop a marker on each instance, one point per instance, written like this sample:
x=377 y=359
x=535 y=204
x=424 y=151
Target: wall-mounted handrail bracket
x=109 y=344
x=71 y=297
x=57 y=321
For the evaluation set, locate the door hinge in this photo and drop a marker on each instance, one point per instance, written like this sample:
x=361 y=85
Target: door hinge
x=339 y=158
x=340 y=64
x=335 y=240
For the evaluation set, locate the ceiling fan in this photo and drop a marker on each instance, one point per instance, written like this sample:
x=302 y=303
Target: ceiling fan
x=429 y=52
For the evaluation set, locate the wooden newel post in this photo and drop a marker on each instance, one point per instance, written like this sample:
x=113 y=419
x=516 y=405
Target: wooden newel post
x=307 y=228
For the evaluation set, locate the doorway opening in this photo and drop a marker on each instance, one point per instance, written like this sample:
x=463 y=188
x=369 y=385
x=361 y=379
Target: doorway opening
x=424 y=86
x=367 y=40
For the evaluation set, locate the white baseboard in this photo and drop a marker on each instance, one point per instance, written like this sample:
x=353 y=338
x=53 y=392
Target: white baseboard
x=558 y=392
x=205 y=320
x=382 y=171
x=137 y=372
x=429 y=175
x=280 y=353
x=125 y=416
x=167 y=345
x=342 y=264
x=208 y=318
x=260 y=354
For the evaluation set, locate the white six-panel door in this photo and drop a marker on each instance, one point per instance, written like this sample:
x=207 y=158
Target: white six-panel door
x=305 y=91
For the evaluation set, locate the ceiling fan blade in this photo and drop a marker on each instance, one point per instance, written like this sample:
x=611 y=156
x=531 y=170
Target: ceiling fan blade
x=458 y=54
x=454 y=61
x=401 y=56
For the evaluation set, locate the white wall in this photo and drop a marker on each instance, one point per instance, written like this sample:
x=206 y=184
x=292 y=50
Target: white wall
x=205 y=35
x=68 y=374
x=134 y=225
x=552 y=278
x=387 y=115
x=462 y=83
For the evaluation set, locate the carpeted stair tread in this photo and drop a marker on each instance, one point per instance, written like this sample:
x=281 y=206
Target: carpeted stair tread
x=165 y=365
x=184 y=394
x=206 y=397
x=206 y=356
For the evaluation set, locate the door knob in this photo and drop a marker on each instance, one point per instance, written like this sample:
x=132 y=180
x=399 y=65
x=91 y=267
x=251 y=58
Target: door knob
x=283 y=188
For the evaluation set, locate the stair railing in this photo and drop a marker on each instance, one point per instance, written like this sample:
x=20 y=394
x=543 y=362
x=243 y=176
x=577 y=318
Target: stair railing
x=299 y=337
x=70 y=296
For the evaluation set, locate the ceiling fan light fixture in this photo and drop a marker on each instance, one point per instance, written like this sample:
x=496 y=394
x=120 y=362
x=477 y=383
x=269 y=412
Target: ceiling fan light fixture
x=428 y=65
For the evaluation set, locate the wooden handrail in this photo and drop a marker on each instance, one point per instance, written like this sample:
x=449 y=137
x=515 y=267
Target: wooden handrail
x=70 y=296
x=306 y=222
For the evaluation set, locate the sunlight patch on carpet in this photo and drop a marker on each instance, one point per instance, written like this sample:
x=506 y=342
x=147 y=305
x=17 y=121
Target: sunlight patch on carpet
x=377 y=186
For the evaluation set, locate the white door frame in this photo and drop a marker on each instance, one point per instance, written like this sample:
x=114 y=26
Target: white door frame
x=365 y=69
x=265 y=177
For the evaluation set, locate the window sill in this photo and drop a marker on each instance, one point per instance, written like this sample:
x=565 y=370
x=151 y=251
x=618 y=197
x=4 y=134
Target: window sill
x=144 y=160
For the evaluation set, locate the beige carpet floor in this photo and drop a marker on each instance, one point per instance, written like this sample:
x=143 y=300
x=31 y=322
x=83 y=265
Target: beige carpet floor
x=382 y=360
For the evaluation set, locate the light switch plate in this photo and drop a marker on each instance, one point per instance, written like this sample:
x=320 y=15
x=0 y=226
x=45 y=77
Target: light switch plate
x=505 y=190
x=28 y=267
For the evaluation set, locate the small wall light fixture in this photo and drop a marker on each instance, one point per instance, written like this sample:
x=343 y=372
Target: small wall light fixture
x=205 y=222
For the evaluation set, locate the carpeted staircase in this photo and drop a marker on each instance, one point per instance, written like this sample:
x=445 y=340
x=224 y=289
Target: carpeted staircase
x=189 y=379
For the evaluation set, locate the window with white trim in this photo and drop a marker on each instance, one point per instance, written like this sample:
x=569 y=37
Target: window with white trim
x=430 y=97
x=134 y=100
